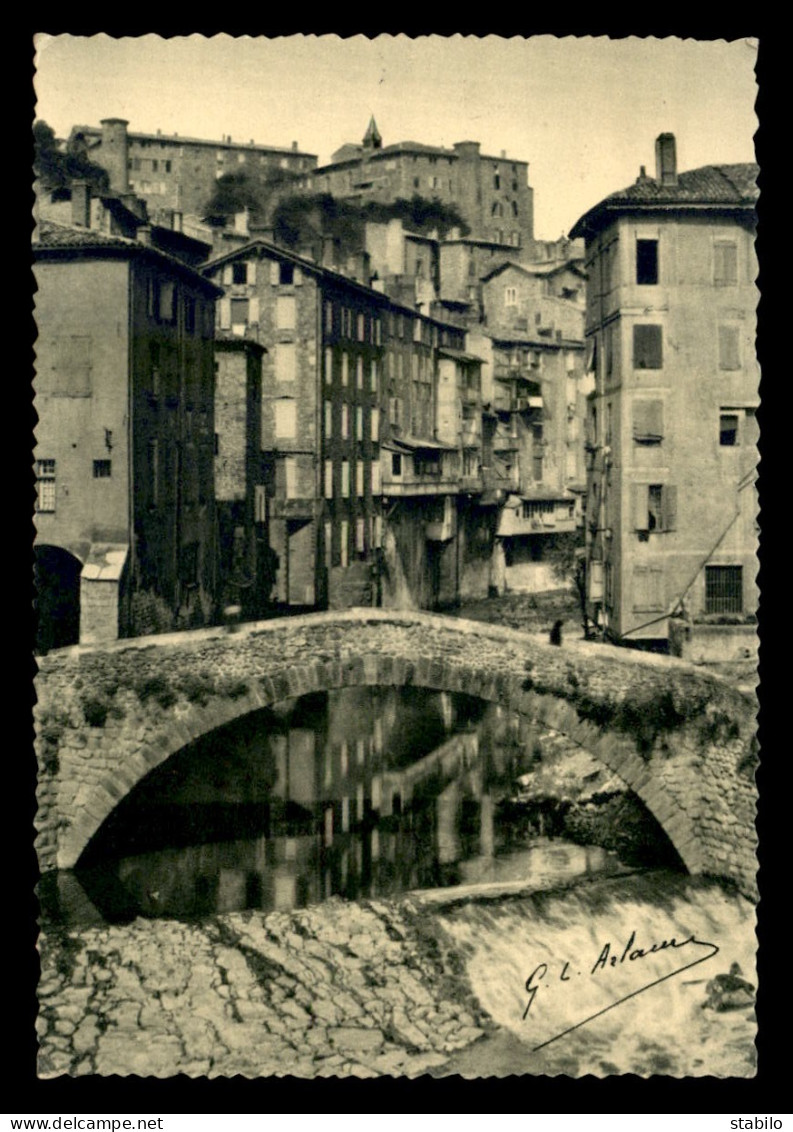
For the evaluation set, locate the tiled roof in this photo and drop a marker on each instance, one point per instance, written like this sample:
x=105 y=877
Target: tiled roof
x=49 y=234
x=725 y=186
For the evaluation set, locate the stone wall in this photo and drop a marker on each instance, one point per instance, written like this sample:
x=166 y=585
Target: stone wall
x=682 y=740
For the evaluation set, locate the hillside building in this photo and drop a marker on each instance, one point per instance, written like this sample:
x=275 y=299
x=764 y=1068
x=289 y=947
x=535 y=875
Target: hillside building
x=670 y=324
x=492 y=194
x=173 y=173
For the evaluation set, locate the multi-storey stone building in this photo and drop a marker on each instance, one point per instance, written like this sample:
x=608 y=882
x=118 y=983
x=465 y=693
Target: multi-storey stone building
x=367 y=405
x=244 y=571
x=492 y=193
x=124 y=395
x=179 y=173
x=671 y=511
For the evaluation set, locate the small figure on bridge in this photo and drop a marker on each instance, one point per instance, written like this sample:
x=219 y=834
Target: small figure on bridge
x=556 y=633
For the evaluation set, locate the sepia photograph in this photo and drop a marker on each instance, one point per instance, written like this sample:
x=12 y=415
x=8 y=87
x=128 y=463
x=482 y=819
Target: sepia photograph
x=396 y=578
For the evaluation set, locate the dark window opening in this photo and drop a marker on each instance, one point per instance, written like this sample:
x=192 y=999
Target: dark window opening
x=647 y=262
x=239 y=273
x=728 y=430
x=286 y=273
x=647 y=347
x=102 y=469
x=723 y=589
x=396 y=464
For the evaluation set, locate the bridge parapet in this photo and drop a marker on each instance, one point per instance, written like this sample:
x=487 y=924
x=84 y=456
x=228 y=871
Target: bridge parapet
x=681 y=739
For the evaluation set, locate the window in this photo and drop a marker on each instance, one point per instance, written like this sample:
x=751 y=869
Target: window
x=345 y=369
x=285 y=361
x=285 y=420
x=647 y=347
x=496 y=181
x=285 y=312
x=725 y=263
x=375 y=425
x=290 y=477
x=359 y=372
x=647 y=262
x=723 y=589
x=376 y=482
x=729 y=348
x=329 y=318
x=167 y=303
x=654 y=507
x=345 y=478
x=188 y=564
x=239 y=273
x=167 y=167
x=534 y=508
x=328 y=366
x=360 y=545
x=728 y=430
x=328 y=479
x=648 y=422
x=345 y=422
x=71 y=376
x=102 y=469
x=359 y=478
x=361 y=328
x=240 y=309
x=359 y=422
x=45 y=485
x=648 y=589
x=345 y=542
x=396 y=464
x=259 y=503
x=511 y=296
x=514 y=208
x=328 y=545
x=328 y=420
x=373 y=376
x=286 y=273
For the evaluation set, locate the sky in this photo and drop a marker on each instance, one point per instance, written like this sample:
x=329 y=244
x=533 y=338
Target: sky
x=584 y=112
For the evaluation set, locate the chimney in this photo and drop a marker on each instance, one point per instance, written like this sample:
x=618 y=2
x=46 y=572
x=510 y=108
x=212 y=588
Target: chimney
x=241 y=222
x=115 y=153
x=294 y=146
x=81 y=204
x=665 y=159
x=143 y=235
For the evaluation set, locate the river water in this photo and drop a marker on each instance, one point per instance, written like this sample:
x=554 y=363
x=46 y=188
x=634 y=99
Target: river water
x=517 y=847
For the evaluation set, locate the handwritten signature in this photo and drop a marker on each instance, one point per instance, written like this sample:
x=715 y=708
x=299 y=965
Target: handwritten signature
x=609 y=958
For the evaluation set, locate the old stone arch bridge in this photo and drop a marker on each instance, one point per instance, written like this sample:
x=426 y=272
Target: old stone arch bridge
x=682 y=740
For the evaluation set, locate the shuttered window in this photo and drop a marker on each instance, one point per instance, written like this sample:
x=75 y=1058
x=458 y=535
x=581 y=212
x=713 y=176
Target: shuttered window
x=729 y=351
x=654 y=507
x=648 y=589
x=648 y=422
x=647 y=346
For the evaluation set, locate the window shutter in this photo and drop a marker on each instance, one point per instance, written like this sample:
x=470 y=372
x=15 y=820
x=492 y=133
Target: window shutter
x=648 y=420
x=641 y=508
x=253 y=310
x=669 y=504
x=251 y=270
x=274 y=271
x=729 y=356
x=225 y=314
x=297 y=278
x=228 y=274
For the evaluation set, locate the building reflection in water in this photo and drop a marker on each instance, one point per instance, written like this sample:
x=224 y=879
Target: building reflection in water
x=358 y=793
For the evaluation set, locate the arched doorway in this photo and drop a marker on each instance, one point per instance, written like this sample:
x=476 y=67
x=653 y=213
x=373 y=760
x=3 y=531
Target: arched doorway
x=57 y=577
